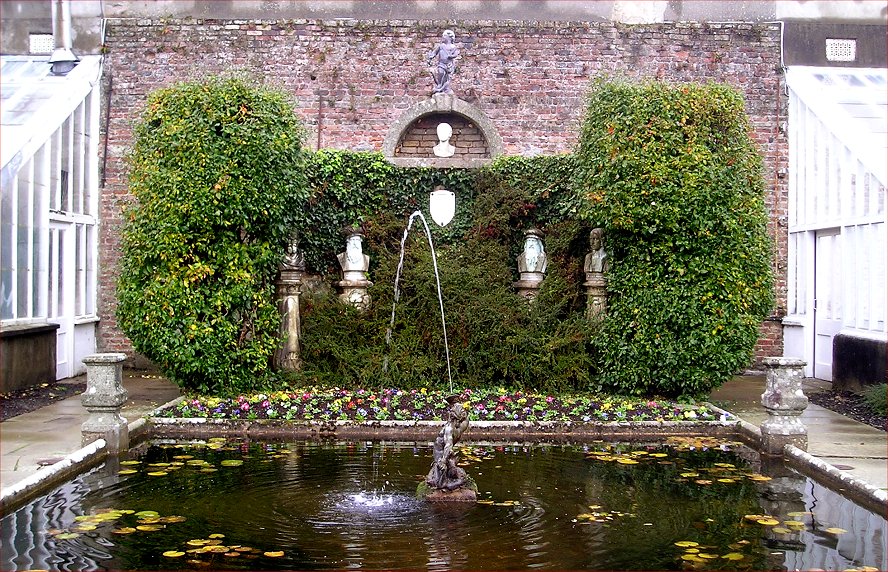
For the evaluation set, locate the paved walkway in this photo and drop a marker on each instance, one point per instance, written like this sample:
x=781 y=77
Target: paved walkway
x=39 y=438
x=32 y=440
x=848 y=445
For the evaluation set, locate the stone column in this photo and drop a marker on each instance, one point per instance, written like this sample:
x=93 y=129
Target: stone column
x=784 y=401
x=288 y=288
x=596 y=296
x=103 y=398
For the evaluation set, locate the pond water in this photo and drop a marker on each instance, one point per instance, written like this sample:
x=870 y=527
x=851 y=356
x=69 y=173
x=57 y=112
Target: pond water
x=691 y=504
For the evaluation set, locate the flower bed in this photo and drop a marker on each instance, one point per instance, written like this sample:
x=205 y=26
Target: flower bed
x=429 y=405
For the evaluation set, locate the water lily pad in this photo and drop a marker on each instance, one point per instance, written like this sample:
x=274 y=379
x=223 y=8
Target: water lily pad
x=727 y=480
x=703 y=482
x=274 y=554
x=67 y=535
x=691 y=557
x=755 y=517
x=689 y=475
x=85 y=527
x=781 y=530
x=768 y=521
x=686 y=543
x=147 y=514
x=157 y=474
x=127 y=472
x=692 y=550
x=173 y=553
x=196 y=542
x=232 y=463
x=209 y=470
x=216 y=535
x=485 y=502
x=733 y=556
x=172 y=519
x=708 y=555
x=659 y=455
x=794 y=523
x=129 y=463
x=232 y=554
x=183 y=457
x=150 y=527
x=627 y=461
x=835 y=530
x=220 y=549
x=124 y=530
x=757 y=477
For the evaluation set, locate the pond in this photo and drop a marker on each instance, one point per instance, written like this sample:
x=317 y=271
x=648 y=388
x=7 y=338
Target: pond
x=691 y=503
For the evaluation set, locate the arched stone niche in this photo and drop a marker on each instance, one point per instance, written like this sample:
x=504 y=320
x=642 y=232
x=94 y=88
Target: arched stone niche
x=410 y=140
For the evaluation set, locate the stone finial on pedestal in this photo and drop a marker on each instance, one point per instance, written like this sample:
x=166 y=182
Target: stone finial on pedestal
x=103 y=398
x=532 y=264
x=288 y=288
x=784 y=401
x=355 y=264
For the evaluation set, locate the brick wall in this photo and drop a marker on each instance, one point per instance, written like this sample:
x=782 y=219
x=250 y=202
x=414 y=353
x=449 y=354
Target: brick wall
x=353 y=79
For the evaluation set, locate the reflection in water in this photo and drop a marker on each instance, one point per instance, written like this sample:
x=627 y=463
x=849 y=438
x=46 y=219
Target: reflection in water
x=352 y=505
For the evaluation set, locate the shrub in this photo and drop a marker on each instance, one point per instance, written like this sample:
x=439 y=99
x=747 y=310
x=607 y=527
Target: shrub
x=672 y=174
x=877 y=397
x=216 y=172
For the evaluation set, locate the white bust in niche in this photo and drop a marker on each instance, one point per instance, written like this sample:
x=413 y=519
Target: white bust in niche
x=444 y=148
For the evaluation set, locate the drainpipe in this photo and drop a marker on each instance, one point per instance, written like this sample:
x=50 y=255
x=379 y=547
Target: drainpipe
x=63 y=59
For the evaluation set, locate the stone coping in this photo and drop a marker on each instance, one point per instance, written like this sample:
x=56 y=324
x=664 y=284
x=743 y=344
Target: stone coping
x=860 y=492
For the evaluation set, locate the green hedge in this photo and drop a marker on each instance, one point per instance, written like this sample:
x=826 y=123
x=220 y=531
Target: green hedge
x=216 y=170
x=672 y=174
x=669 y=171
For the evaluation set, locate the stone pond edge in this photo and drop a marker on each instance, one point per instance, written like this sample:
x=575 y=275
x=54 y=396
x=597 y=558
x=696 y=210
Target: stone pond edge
x=18 y=494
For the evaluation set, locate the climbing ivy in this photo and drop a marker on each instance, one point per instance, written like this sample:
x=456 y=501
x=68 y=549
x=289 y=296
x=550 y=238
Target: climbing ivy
x=216 y=172
x=673 y=175
x=669 y=171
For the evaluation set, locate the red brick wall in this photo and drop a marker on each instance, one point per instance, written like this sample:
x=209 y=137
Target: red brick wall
x=353 y=79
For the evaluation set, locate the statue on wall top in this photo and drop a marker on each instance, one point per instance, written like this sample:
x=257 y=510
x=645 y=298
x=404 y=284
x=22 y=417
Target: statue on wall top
x=596 y=260
x=533 y=258
x=447 y=53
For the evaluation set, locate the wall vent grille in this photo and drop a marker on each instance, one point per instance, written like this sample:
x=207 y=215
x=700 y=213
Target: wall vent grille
x=841 y=50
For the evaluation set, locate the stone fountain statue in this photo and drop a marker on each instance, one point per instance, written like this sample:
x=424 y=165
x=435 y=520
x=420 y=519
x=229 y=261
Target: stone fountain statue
x=447 y=481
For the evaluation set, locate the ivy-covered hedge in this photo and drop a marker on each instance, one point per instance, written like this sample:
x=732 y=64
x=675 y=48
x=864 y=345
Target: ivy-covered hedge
x=669 y=171
x=217 y=173
x=672 y=174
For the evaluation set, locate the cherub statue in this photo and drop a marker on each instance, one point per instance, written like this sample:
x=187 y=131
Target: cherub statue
x=447 y=53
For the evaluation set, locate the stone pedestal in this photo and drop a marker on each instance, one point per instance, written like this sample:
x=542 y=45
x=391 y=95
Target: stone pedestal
x=529 y=284
x=353 y=289
x=596 y=296
x=288 y=288
x=784 y=401
x=103 y=398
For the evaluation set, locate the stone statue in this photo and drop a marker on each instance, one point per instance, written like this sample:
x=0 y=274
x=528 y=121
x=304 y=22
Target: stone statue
x=533 y=259
x=354 y=259
x=444 y=148
x=355 y=264
x=445 y=474
x=294 y=258
x=596 y=260
x=447 y=53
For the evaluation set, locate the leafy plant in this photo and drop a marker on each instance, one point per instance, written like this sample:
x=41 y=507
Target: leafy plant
x=672 y=174
x=877 y=396
x=216 y=173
